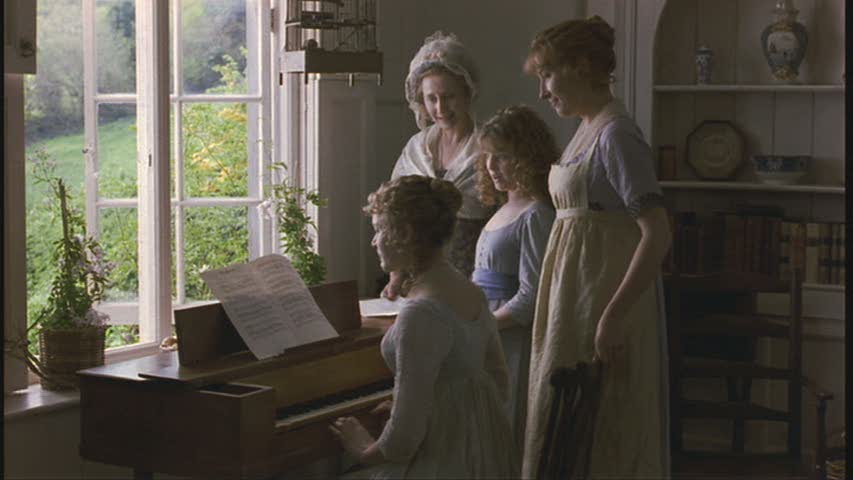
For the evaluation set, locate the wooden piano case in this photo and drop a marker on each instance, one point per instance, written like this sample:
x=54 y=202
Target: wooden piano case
x=212 y=410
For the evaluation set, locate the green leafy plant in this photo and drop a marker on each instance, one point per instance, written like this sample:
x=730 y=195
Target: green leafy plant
x=287 y=202
x=81 y=271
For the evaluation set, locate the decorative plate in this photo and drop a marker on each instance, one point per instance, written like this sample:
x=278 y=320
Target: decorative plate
x=715 y=149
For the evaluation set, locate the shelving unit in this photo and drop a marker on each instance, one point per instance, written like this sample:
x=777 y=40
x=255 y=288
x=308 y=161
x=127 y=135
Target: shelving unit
x=780 y=119
x=804 y=119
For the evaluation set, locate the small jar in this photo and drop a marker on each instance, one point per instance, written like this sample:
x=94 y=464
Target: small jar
x=704 y=65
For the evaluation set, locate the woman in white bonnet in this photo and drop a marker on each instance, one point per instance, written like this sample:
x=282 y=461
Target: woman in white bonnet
x=440 y=87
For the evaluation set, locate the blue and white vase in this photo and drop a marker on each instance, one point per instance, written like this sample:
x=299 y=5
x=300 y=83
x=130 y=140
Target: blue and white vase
x=784 y=43
x=704 y=65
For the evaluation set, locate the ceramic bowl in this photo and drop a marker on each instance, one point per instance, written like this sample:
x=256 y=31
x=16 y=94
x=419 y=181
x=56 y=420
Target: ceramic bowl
x=781 y=169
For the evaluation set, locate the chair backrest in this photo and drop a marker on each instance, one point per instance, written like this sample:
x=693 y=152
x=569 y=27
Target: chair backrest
x=571 y=422
x=693 y=295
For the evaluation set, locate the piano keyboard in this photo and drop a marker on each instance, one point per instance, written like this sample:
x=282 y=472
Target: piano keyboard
x=333 y=406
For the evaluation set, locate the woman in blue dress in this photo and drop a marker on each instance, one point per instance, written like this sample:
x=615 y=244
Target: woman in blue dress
x=519 y=150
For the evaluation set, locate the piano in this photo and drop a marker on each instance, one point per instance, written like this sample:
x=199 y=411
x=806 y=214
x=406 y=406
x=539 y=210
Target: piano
x=212 y=410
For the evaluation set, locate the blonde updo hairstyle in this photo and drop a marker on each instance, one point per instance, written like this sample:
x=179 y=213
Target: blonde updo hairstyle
x=522 y=134
x=586 y=45
x=420 y=214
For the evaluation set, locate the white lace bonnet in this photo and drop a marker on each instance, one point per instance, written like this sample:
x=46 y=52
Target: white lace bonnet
x=439 y=50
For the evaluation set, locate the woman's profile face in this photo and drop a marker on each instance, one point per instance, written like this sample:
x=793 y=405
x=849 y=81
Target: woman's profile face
x=562 y=87
x=390 y=257
x=500 y=164
x=445 y=99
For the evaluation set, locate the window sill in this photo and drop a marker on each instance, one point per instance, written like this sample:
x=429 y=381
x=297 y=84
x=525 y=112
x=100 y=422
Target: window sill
x=33 y=400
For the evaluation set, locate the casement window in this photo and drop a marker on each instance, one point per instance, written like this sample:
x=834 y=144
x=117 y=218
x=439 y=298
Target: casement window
x=177 y=141
x=219 y=151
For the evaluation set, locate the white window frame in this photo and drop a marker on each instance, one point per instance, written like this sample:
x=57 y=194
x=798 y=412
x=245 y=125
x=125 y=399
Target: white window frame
x=157 y=194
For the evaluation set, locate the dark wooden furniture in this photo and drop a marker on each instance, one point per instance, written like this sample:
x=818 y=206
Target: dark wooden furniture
x=713 y=328
x=830 y=461
x=571 y=421
x=211 y=410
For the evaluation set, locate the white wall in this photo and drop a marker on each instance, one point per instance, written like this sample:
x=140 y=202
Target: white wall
x=498 y=33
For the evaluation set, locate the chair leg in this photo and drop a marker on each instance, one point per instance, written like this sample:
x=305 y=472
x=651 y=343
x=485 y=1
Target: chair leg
x=737 y=424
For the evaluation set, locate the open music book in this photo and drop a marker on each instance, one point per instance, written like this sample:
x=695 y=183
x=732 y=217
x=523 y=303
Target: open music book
x=269 y=305
x=380 y=307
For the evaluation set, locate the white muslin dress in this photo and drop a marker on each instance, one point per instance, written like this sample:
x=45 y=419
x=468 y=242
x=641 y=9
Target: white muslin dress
x=450 y=384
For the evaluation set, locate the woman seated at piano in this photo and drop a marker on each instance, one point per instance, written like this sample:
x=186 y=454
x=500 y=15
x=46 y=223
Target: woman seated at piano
x=441 y=85
x=513 y=173
x=447 y=416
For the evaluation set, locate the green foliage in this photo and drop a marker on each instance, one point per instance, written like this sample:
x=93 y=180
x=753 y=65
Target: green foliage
x=81 y=269
x=120 y=335
x=211 y=32
x=216 y=237
x=288 y=204
x=215 y=147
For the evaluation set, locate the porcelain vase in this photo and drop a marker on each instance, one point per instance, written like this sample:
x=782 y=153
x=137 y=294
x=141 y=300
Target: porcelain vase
x=784 y=43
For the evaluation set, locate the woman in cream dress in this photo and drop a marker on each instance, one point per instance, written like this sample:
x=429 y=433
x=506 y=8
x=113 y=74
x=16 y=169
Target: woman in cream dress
x=599 y=289
x=441 y=85
x=447 y=416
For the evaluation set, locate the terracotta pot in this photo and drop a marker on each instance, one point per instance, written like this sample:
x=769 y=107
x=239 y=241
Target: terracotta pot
x=65 y=351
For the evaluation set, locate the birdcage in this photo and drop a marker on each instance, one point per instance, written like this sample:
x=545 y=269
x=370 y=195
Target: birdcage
x=331 y=36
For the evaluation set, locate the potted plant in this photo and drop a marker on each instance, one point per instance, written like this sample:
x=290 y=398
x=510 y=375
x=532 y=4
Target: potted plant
x=286 y=203
x=70 y=330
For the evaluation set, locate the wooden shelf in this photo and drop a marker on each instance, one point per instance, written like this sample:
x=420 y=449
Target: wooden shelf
x=327 y=61
x=750 y=88
x=823 y=287
x=751 y=186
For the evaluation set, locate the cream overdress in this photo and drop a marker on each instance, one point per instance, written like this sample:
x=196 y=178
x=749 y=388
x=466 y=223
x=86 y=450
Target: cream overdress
x=587 y=256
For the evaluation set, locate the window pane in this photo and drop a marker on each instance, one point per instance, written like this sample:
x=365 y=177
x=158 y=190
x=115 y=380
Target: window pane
x=213 y=46
x=215 y=237
x=54 y=97
x=115 y=25
x=215 y=150
x=119 y=234
x=53 y=115
x=117 y=151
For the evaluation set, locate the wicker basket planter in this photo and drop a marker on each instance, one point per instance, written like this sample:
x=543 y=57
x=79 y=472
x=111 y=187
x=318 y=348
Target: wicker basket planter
x=65 y=351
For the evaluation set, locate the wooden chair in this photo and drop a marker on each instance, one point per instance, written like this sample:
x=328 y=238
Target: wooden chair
x=571 y=420
x=719 y=310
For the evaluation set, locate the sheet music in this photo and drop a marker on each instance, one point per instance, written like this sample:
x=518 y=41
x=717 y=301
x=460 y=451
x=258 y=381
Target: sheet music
x=380 y=307
x=269 y=305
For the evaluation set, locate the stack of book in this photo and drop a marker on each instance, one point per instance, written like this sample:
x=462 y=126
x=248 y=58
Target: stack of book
x=757 y=239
